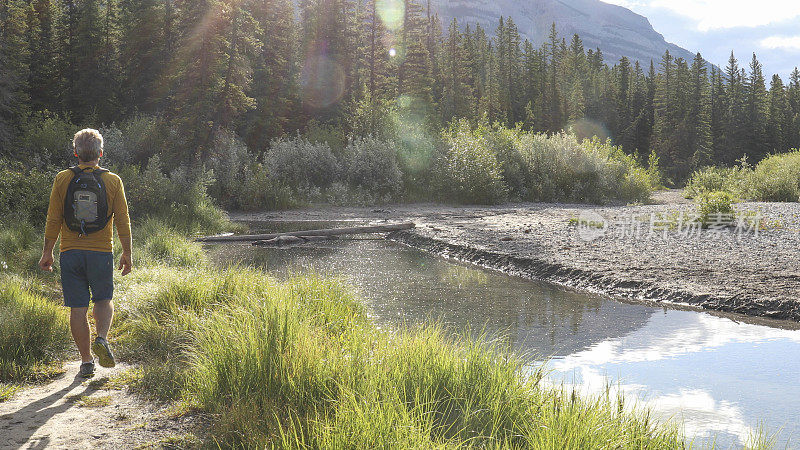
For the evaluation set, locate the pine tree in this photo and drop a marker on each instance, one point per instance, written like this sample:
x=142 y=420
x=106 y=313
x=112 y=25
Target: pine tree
x=735 y=120
x=665 y=121
x=415 y=79
x=718 y=114
x=757 y=109
x=213 y=76
x=456 y=95
x=698 y=119
x=793 y=121
x=14 y=67
x=777 y=124
x=42 y=55
x=274 y=73
x=553 y=110
x=141 y=45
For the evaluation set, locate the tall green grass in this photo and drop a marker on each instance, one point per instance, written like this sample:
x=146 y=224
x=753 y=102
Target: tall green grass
x=34 y=332
x=297 y=364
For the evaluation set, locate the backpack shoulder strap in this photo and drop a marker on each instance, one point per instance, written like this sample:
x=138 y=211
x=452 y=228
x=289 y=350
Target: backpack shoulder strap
x=76 y=170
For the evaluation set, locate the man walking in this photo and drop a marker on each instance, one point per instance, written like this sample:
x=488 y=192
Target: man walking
x=85 y=203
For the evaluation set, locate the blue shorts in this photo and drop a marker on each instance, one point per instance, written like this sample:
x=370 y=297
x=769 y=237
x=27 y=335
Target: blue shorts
x=85 y=270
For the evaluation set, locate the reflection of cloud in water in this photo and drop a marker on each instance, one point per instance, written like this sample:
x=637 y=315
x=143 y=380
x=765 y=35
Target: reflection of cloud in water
x=660 y=365
x=701 y=415
x=695 y=410
x=680 y=333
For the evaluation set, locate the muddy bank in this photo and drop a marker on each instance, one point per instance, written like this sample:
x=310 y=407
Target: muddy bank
x=739 y=271
x=588 y=280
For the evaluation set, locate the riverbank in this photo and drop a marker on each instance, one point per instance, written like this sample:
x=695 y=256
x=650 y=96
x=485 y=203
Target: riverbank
x=252 y=360
x=611 y=250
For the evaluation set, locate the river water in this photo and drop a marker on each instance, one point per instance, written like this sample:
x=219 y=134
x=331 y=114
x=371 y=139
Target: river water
x=721 y=376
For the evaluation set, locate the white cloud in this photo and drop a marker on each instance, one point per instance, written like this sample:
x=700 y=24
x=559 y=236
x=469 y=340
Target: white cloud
x=721 y=14
x=782 y=42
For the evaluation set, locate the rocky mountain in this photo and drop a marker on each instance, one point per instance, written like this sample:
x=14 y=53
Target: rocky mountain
x=615 y=30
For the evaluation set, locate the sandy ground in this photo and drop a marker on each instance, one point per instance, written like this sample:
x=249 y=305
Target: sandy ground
x=756 y=274
x=74 y=413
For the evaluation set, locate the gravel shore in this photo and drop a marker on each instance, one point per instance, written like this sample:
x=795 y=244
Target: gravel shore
x=637 y=252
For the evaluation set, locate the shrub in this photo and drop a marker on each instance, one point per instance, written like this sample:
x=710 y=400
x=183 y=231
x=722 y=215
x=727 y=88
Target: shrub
x=777 y=178
x=331 y=136
x=231 y=163
x=505 y=144
x=715 y=208
x=301 y=164
x=734 y=180
x=559 y=168
x=133 y=141
x=260 y=191
x=46 y=139
x=371 y=164
x=180 y=199
x=24 y=193
x=34 y=332
x=469 y=170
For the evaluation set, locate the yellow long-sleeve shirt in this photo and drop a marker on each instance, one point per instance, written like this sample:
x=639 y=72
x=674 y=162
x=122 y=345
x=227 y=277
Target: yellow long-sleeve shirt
x=101 y=241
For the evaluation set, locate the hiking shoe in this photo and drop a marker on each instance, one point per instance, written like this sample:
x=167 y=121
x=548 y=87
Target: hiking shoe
x=103 y=352
x=87 y=369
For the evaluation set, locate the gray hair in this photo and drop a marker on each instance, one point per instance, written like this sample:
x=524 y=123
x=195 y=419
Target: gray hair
x=88 y=144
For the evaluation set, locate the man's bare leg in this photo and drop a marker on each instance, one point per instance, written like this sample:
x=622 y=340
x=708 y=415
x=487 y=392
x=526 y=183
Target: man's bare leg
x=79 y=325
x=103 y=316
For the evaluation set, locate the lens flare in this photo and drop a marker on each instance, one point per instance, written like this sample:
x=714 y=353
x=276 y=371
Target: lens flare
x=417 y=146
x=391 y=12
x=322 y=80
x=587 y=129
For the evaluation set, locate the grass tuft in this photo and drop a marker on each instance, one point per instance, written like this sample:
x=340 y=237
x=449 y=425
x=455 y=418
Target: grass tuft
x=34 y=332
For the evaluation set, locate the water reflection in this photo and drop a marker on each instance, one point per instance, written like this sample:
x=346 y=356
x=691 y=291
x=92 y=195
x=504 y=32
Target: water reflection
x=719 y=377
x=404 y=286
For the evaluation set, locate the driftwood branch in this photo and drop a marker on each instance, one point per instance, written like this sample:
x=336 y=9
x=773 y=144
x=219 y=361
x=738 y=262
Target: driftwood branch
x=311 y=233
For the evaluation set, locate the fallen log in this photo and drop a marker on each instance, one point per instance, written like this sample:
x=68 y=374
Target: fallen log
x=311 y=233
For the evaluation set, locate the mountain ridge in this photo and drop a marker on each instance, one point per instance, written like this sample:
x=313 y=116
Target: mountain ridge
x=614 y=29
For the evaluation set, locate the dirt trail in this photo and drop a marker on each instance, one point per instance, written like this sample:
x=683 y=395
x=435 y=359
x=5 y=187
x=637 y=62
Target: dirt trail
x=75 y=413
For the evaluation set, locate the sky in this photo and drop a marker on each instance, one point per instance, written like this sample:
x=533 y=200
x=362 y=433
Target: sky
x=770 y=28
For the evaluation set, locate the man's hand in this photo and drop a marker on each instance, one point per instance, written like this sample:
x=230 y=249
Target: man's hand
x=125 y=263
x=46 y=262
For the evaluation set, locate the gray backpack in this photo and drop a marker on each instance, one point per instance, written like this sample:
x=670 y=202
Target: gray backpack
x=86 y=205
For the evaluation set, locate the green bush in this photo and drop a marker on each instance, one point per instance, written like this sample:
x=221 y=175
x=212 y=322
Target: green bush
x=133 y=141
x=34 y=332
x=260 y=191
x=301 y=164
x=469 y=171
x=716 y=208
x=371 y=165
x=180 y=198
x=734 y=180
x=505 y=143
x=46 y=140
x=24 y=193
x=777 y=178
x=559 y=168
